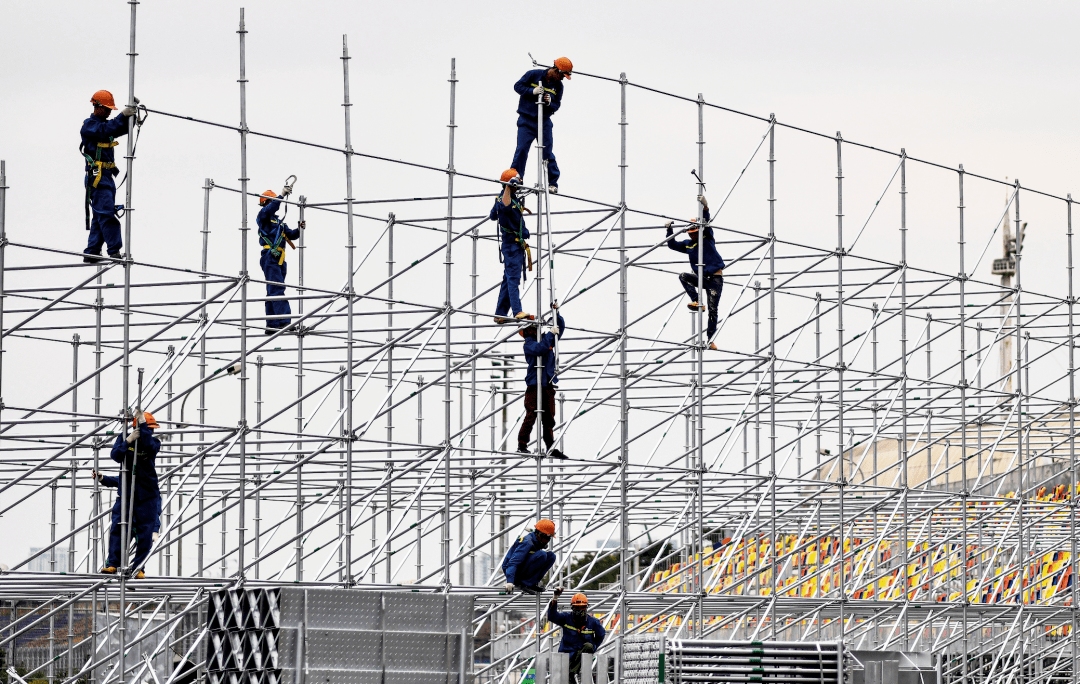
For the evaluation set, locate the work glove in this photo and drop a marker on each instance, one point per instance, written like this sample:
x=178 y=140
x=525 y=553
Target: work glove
x=547 y=98
x=129 y=110
x=142 y=419
x=302 y=224
x=286 y=191
x=509 y=588
x=154 y=536
x=703 y=201
x=668 y=225
x=558 y=592
x=554 y=330
x=538 y=89
x=514 y=182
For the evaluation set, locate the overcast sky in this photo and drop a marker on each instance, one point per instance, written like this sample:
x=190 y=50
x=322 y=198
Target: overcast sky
x=980 y=83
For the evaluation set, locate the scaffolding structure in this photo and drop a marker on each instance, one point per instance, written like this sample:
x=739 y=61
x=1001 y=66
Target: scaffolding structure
x=854 y=470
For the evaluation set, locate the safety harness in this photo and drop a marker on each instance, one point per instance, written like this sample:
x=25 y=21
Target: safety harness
x=517 y=235
x=275 y=247
x=97 y=168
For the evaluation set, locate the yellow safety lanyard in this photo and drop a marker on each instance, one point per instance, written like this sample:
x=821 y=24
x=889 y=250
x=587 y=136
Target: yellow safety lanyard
x=580 y=631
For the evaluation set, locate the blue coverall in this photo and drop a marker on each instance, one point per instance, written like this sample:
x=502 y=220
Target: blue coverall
x=514 y=234
x=526 y=562
x=714 y=267
x=577 y=637
x=526 y=122
x=272 y=234
x=534 y=350
x=146 y=517
x=99 y=184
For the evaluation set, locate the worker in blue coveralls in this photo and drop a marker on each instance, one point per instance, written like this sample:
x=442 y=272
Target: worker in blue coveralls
x=527 y=562
x=541 y=352
x=273 y=236
x=581 y=632
x=136 y=453
x=99 y=134
x=514 y=246
x=713 y=269
x=529 y=87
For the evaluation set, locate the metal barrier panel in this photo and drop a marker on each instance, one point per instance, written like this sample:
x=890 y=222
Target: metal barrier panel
x=338 y=636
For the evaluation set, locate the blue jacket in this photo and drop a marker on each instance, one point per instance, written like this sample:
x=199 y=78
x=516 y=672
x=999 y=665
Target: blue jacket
x=99 y=130
x=146 y=494
x=575 y=636
x=511 y=225
x=527 y=103
x=544 y=348
x=140 y=510
x=525 y=545
x=713 y=262
x=272 y=231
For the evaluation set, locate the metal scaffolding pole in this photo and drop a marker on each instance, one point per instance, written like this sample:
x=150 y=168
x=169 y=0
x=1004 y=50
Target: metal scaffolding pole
x=350 y=294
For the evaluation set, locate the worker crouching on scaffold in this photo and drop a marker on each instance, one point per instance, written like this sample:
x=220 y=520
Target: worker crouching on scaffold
x=541 y=352
x=274 y=235
x=513 y=246
x=136 y=453
x=99 y=134
x=713 y=279
x=582 y=633
x=527 y=562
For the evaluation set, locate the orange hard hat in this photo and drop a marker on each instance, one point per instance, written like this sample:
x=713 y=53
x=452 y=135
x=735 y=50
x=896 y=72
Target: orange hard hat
x=150 y=422
x=546 y=526
x=564 y=65
x=579 y=600
x=508 y=174
x=103 y=98
x=266 y=197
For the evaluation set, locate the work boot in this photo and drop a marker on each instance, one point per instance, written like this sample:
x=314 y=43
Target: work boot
x=694 y=306
x=522 y=316
x=108 y=570
x=139 y=575
x=557 y=454
x=553 y=189
x=115 y=255
x=502 y=320
x=91 y=258
x=712 y=345
x=523 y=449
x=533 y=589
x=270 y=331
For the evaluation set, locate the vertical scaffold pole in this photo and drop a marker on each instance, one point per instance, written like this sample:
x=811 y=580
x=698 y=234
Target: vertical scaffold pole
x=3 y=251
x=126 y=363
x=204 y=318
x=842 y=480
x=258 y=465
x=1072 y=498
x=775 y=546
x=390 y=395
x=962 y=278
x=699 y=381
x=1019 y=389
x=349 y=248
x=301 y=249
x=449 y=307
x=243 y=301
x=904 y=491
x=624 y=408
x=541 y=205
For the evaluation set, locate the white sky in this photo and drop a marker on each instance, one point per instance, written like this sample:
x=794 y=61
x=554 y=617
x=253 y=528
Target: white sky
x=980 y=83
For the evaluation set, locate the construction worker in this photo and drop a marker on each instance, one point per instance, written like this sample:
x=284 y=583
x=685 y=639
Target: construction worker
x=99 y=135
x=526 y=562
x=136 y=453
x=514 y=246
x=582 y=633
x=713 y=270
x=529 y=87
x=273 y=236
x=540 y=352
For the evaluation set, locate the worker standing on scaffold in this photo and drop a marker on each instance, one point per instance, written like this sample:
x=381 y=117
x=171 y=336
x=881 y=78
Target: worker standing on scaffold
x=713 y=269
x=99 y=134
x=529 y=87
x=137 y=453
x=582 y=633
x=513 y=246
x=274 y=234
x=541 y=352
